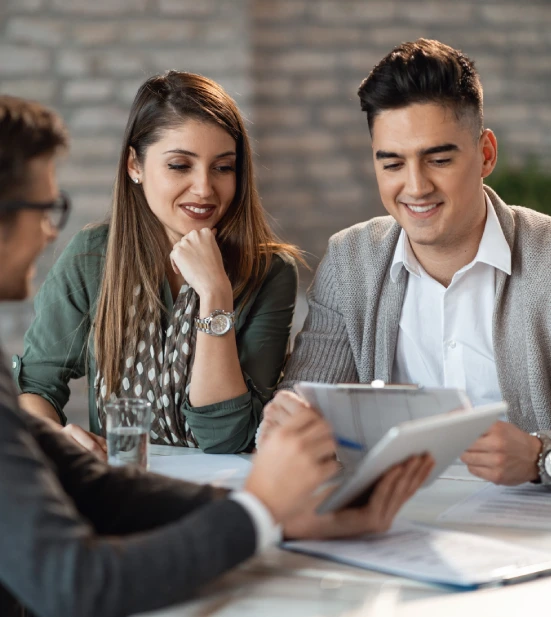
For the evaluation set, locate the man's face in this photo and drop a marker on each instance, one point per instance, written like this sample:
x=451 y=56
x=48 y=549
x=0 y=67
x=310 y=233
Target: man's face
x=429 y=166
x=22 y=240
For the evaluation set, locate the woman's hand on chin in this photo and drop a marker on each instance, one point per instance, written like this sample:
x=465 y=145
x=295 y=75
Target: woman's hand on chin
x=198 y=259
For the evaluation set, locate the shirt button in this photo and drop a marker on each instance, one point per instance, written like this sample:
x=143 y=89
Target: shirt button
x=452 y=344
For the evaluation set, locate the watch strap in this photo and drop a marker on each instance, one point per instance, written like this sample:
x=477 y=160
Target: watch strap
x=204 y=324
x=545 y=438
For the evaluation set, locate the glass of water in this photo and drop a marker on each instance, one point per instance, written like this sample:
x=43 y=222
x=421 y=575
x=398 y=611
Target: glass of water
x=128 y=423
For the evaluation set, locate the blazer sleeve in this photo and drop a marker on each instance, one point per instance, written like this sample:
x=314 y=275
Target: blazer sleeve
x=120 y=500
x=262 y=343
x=56 y=343
x=322 y=351
x=56 y=555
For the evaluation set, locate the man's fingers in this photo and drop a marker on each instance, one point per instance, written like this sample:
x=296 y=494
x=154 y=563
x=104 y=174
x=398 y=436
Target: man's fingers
x=482 y=444
x=485 y=473
x=482 y=459
x=400 y=490
x=301 y=420
x=396 y=488
x=276 y=414
x=322 y=448
x=418 y=474
x=381 y=494
x=491 y=440
x=318 y=430
x=414 y=474
x=284 y=404
x=290 y=401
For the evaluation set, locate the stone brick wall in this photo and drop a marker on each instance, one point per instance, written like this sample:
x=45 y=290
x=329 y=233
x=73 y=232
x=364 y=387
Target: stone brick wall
x=293 y=66
x=316 y=171
x=86 y=59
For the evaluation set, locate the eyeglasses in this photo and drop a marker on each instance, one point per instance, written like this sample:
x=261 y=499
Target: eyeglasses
x=57 y=210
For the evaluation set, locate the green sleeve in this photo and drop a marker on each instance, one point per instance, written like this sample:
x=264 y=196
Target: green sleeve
x=262 y=341
x=56 y=344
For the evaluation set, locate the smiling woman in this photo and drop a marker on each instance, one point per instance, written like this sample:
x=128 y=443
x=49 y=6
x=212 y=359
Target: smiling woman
x=184 y=297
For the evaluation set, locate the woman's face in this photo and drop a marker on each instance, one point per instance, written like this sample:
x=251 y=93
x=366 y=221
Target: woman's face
x=188 y=176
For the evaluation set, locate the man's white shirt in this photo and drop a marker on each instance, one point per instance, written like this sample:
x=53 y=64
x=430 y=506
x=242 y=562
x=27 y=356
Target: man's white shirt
x=445 y=335
x=267 y=532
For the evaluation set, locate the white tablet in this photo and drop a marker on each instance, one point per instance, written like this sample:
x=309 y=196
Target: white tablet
x=445 y=437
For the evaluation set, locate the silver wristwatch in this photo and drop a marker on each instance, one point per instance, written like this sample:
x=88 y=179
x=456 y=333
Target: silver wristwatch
x=544 y=458
x=217 y=323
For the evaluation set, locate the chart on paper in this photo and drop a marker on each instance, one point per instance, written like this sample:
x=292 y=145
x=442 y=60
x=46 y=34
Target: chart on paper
x=520 y=506
x=433 y=555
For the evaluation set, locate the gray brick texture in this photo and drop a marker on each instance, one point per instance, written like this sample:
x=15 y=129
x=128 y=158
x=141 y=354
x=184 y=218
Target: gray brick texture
x=293 y=66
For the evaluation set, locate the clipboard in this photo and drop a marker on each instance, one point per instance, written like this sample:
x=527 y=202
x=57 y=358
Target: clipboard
x=361 y=414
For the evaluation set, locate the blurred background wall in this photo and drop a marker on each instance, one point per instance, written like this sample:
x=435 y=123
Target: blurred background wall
x=293 y=67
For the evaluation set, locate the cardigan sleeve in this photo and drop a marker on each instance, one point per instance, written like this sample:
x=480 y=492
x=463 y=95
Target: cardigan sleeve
x=262 y=342
x=56 y=343
x=322 y=351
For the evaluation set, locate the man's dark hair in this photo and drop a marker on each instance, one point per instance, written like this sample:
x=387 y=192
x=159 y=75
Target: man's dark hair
x=424 y=71
x=27 y=130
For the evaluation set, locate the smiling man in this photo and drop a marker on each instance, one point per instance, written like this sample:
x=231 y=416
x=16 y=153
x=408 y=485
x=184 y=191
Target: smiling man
x=452 y=289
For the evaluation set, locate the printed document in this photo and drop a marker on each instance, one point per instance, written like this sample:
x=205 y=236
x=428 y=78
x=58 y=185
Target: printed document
x=527 y=505
x=432 y=555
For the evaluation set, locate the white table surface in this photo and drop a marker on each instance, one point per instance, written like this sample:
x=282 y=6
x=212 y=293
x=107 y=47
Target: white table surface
x=284 y=584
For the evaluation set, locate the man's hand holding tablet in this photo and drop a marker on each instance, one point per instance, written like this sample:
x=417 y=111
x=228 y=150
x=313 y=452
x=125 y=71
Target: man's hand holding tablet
x=291 y=418
x=390 y=493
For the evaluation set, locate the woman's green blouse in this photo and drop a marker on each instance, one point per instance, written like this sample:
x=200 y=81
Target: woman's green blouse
x=58 y=345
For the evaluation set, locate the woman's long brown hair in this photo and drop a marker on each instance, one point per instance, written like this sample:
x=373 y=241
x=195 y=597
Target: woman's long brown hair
x=138 y=247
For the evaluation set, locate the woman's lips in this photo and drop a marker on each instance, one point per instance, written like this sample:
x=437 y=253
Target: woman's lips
x=198 y=212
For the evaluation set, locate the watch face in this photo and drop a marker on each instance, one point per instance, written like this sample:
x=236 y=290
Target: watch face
x=220 y=324
x=547 y=464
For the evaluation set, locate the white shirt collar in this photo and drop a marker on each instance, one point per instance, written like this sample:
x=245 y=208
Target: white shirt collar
x=493 y=249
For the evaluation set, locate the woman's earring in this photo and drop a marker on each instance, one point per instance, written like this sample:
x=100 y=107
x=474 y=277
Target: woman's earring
x=136 y=180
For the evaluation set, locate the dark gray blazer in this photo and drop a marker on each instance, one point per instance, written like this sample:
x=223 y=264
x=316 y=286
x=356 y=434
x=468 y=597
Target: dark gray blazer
x=78 y=539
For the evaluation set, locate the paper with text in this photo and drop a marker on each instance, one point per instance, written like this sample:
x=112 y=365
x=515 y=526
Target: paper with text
x=431 y=555
x=526 y=506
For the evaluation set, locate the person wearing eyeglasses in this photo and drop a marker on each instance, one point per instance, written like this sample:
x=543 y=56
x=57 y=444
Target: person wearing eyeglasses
x=81 y=539
x=56 y=212
x=185 y=297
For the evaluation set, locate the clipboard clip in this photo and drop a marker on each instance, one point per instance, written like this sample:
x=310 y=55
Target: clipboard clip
x=379 y=383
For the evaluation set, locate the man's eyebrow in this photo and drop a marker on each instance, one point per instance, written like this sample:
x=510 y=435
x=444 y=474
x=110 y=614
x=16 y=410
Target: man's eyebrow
x=439 y=149
x=195 y=155
x=385 y=154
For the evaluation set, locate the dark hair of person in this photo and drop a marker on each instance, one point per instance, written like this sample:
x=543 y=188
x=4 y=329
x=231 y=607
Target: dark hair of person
x=138 y=245
x=424 y=71
x=27 y=130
